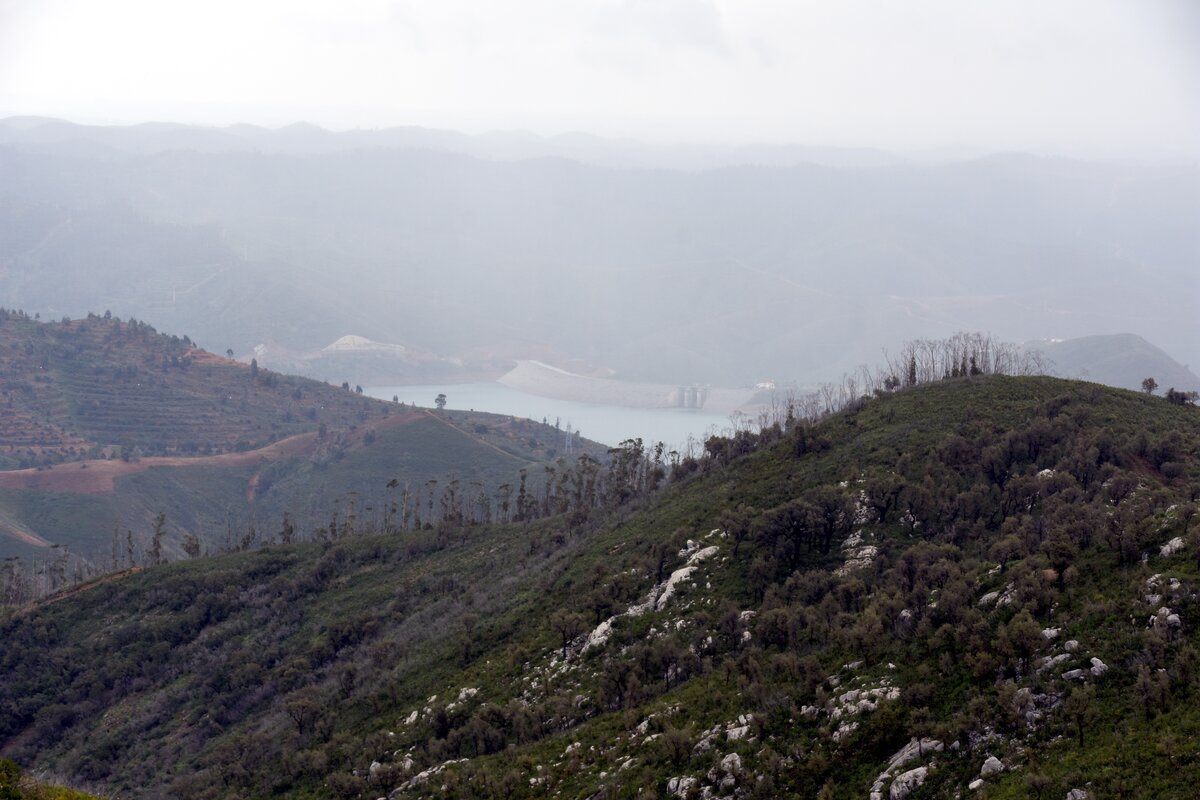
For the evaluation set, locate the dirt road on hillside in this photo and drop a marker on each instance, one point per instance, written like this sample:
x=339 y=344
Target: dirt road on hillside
x=99 y=476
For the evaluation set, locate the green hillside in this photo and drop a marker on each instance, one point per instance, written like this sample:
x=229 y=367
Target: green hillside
x=16 y=786
x=989 y=579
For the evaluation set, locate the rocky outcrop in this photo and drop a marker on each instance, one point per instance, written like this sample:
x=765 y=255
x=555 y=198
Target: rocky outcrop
x=657 y=598
x=1172 y=547
x=917 y=748
x=991 y=766
x=905 y=782
x=680 y=786
x=680 y=575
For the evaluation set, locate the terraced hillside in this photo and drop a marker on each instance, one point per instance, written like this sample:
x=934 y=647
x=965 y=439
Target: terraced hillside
x=99 y=386
x=981 y=587
x=108 y=424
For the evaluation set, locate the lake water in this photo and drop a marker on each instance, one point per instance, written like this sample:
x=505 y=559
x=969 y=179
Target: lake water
x=609 y=425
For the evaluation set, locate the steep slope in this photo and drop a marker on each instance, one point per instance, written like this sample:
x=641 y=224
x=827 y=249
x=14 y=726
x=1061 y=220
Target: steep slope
x=984 y=580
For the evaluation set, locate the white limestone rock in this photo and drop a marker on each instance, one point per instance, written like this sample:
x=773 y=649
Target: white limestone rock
x=905 y=782
x=738 y=733
x=600 y=635
x=679 y=787
x=1172 y=547
x=914 y=749
x=1050 y=662
x=844 y=730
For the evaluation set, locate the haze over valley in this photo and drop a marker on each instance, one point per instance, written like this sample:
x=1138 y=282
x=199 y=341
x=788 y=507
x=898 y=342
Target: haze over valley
x=725 y=276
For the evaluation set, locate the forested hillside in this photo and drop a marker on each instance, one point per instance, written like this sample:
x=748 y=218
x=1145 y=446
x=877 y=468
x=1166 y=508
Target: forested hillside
x=983 y=584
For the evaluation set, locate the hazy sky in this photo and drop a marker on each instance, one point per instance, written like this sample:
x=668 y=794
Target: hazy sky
x=1084 y=77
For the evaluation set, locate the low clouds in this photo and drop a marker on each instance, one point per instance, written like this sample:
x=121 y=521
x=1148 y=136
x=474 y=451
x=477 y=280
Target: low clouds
x=665 y=25
x=1095 y=78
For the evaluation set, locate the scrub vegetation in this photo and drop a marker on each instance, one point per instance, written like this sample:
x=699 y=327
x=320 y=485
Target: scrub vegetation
x=984 y=581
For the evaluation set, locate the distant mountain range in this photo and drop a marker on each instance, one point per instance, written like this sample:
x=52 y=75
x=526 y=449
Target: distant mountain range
x=57 y=136
x=788 y=269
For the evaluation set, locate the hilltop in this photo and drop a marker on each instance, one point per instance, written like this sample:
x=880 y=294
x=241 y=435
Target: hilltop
x=984 y=585
x=1122 y=359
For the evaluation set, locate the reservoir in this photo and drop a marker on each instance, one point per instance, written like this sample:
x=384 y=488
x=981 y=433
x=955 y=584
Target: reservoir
x=609 y=425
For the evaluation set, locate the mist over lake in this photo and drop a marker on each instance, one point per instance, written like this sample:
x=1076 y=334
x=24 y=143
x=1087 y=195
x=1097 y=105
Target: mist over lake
x=606 y=424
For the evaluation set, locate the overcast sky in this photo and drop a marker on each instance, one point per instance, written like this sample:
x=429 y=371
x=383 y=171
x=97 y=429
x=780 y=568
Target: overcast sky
x=1093 y=78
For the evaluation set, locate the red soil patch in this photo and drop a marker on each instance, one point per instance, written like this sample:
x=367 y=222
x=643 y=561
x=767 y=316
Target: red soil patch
x=20 y=534
x=99 y=476
x=199 y=356
x=83 y=587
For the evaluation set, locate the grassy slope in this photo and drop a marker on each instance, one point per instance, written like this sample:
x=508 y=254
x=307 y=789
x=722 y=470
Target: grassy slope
x=429 y=613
